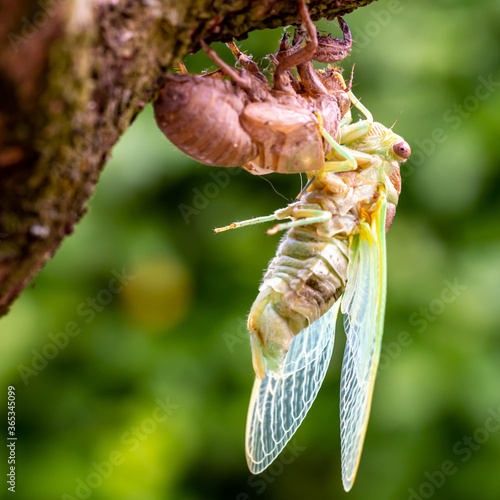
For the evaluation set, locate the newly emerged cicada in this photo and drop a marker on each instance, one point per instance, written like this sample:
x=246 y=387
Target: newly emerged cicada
x=332 y=258
x=244 y=121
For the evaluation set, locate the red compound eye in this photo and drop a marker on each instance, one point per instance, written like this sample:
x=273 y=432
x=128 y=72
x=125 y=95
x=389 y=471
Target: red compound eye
x=402 y=149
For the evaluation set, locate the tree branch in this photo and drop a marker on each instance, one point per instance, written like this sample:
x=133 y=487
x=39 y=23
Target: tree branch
x=73 y=76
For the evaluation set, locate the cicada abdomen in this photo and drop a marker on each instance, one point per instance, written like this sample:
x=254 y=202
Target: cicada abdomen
x=303 y=281
x=201 y=116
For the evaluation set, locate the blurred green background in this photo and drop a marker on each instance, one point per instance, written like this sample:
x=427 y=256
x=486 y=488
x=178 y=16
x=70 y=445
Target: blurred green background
x=147 y=399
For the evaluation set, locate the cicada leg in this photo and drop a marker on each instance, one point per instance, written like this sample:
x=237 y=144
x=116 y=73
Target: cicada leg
x=244 y=81
x=246 y=62
x=304 y=216
x=295 y=55
x=363 y=109
x=330 y=49
x=249 y=222
x=181 y=68
x=350 y=132
x=338 y=165
x=282 y=213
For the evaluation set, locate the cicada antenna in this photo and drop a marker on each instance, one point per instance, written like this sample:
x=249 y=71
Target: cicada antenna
x=350 y=79
x=395 y=121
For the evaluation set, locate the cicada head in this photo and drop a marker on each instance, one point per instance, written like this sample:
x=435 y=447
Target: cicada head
x=383 y=142
x=392 y=150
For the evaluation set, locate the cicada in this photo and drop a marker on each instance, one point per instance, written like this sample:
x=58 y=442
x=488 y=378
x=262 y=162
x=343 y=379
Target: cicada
x=333 y=257
x=244 y=121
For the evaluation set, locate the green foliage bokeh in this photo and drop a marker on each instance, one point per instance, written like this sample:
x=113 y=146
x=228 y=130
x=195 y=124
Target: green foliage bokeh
x=159 y=373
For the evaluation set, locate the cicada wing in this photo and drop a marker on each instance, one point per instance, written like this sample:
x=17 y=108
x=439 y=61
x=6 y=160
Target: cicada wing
x=280 y=402
x=364 y=307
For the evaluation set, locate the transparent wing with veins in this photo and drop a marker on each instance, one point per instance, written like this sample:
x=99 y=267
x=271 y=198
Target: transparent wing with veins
x=280 y=402
x=363 y=305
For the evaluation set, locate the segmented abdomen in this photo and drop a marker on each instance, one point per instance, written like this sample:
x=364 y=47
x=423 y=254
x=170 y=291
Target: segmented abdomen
x=301 y=284
x=201 y=116
x=309 y=273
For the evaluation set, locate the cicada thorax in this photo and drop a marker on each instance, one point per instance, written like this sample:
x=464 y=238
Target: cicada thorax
x=201 y=116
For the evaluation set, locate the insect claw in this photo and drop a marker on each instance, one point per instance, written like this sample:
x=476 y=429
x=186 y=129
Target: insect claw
x=181 y=68
x=241 y=79
x=234 y=49
x=225 y=228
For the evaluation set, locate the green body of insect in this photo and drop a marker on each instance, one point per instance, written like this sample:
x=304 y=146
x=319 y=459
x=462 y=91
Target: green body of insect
x=332 y=257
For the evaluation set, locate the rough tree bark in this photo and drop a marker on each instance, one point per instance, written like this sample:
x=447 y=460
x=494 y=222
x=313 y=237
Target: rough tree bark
x=73 y=76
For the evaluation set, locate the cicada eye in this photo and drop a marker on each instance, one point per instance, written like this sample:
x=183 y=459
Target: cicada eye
x=402 y=149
